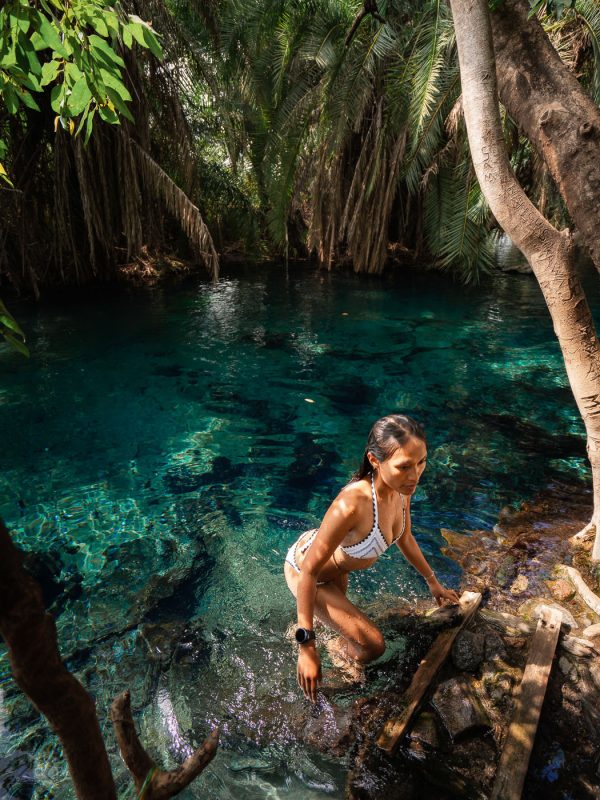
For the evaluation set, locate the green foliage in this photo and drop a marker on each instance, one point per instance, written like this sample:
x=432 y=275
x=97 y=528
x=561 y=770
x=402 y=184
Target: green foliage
x=554 y=8
x=69 y=48
x=11 y=331
x=588 y=11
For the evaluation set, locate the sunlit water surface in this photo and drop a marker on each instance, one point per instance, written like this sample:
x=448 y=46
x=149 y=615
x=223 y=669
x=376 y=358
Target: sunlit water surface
x=163 y=449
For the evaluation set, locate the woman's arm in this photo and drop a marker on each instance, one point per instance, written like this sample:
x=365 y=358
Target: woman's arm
x=339 y=519
x=412 y=552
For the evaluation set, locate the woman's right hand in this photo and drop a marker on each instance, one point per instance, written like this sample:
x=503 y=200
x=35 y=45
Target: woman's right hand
x=309 y=670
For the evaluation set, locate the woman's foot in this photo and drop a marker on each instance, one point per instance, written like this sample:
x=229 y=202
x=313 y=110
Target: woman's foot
x=352 y=671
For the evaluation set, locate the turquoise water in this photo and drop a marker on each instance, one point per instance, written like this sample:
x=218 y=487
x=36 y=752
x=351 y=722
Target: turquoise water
x=162 y=449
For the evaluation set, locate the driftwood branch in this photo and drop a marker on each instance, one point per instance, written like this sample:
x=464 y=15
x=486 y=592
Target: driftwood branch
x=36 y=665
x=587 y=595
x=510 y=625
x=162 y=784
x=369 y=9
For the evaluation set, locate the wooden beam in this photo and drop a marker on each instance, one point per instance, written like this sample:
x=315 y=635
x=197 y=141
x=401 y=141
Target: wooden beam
x=394 y=729
x=512 y=768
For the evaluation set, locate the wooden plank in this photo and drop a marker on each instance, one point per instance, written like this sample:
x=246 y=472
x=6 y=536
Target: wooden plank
x=514 y=761
x=394 y=729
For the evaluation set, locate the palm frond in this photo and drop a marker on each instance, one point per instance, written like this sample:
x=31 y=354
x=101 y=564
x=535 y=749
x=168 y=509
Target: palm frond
x=163 y=188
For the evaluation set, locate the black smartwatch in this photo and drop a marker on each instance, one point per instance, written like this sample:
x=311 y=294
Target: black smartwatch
x=304 y=635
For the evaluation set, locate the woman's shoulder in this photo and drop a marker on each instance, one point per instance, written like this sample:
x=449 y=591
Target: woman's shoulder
x=356 y=493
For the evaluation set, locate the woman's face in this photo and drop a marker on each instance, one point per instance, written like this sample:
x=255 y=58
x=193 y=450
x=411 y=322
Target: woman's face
x=402 y=470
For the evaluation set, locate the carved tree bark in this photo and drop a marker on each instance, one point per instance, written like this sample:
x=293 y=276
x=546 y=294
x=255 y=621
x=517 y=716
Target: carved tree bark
x=551 y=107
x=549 y=252
x=30 y=635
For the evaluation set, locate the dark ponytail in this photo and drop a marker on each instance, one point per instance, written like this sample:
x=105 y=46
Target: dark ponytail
x=385 y=436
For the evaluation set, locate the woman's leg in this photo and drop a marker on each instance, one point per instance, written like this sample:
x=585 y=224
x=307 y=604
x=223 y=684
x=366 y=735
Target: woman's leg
x=365 y=641
x=332 y=607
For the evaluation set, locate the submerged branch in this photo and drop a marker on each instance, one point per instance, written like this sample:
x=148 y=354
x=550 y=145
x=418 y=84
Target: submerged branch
x=161 y=784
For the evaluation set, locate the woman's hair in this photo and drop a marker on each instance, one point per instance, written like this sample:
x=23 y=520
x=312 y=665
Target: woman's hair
x=385 y=436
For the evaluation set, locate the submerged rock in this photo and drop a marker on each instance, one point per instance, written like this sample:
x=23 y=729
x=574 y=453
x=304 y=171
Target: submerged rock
x=519 y=585
x=330 y=728
x=424 y=736
x=251 y=764
x=494 y=647
x=459 y=708
x=561 y=589
x=468 y=650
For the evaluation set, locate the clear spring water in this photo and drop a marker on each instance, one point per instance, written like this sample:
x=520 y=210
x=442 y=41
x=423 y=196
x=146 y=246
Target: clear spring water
x=163 y=448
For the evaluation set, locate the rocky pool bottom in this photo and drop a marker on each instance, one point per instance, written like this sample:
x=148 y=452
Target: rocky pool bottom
x=176 y=671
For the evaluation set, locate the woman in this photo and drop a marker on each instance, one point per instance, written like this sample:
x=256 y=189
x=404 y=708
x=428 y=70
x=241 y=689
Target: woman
x=369 y=515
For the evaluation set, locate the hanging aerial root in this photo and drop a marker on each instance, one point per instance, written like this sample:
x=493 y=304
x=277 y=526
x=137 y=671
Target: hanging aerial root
x=157 y=784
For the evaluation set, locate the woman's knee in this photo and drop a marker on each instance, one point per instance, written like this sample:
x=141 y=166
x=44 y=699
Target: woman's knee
x=374 y=645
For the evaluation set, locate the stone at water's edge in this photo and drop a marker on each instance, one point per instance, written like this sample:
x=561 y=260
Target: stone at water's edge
x=561 y=589
x=468 y=650
x=519 y=585
x=592 y=631
x=595 y=672
x=424 y=734
x=459 y=708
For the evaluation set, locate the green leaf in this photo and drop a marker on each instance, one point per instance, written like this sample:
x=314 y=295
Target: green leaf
x=11 y=99
x=110 y=79
x=119 y=104
x=49 y=71
x=31 y=82
x=127 y=37
x=99 y=25
x=83 y=119
x=37 y=41
x=152 y=43
x=89 y=126
x=50 y=36
x=29 y=54
x=79 y=98
x=106 y=50
x=108 y=115
x=18 y=19
x=9 y=321
x=145 y=36
x=57 y=97
x=17 y=344
x=28 y=100
x=73 y=73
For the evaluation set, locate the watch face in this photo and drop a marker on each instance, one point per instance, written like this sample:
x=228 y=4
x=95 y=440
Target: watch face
x=301 y=635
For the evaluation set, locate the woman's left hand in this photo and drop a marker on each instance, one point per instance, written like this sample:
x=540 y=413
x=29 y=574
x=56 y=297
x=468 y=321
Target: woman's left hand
x=443 y=596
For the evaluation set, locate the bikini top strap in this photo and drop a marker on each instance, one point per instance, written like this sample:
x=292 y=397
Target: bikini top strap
x=375 y=509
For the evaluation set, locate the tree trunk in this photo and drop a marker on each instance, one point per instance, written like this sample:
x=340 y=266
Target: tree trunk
x=549 y=104
x=30 y=635
x=549 y=252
